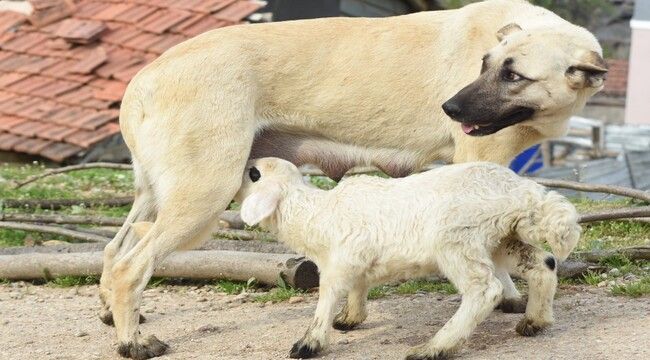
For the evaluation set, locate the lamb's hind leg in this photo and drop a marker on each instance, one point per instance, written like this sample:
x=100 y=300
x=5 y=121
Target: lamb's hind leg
x=354 y=311
x=472 y=272
x=538 y=268
x=143 y=209
x=512 y=301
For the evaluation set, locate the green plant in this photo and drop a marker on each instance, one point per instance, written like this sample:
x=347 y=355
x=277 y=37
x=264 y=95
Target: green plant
x=634 y=289
x=69 y=281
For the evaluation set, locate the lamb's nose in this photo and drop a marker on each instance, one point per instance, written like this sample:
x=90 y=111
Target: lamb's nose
x=451 y=109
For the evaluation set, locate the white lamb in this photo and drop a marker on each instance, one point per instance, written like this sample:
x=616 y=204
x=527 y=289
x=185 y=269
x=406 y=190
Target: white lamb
x=468 y=221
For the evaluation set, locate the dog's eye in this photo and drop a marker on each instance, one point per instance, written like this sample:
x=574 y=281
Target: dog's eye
x=511 y=76
x=254 y=174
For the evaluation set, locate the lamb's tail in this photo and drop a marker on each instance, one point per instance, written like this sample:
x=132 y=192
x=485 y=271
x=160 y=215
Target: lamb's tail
x=553 y=220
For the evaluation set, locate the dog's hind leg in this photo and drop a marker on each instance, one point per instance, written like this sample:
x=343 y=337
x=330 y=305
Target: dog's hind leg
x=143 y=209
x=190 y=192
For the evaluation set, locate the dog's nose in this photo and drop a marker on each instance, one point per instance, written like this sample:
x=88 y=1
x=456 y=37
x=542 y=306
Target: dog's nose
x=451 y=109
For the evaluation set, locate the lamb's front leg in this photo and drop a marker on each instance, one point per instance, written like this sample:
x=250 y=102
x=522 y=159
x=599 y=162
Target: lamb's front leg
x=316 y=339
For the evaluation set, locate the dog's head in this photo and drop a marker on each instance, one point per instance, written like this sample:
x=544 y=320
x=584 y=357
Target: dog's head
x=529 y=76
x=264 y=184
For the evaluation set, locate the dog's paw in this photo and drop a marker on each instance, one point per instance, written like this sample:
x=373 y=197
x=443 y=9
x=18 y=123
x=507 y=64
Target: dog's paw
x=302 y=350
x=424 y=353
x=513 y=306
x=527 y=327
x=150 y=347
x=346 y=321
x=107 y=318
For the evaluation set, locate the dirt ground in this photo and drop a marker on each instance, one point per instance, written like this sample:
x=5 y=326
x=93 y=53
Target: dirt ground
x=41 y=322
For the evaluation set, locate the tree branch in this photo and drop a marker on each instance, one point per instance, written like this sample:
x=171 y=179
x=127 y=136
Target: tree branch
x=65 y=169
x=625 y=213
x=608 y=189
x=55 y=204
x=54 y=230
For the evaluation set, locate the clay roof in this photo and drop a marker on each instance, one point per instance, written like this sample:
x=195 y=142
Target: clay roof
x=616 y=83
x=64 y=68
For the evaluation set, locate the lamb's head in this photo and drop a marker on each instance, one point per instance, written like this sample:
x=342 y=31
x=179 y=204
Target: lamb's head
x=266 y=181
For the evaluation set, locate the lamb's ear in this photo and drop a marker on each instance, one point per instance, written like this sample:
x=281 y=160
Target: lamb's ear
x=507 y=30
x=591 y=71
x=260 y=204
x=141 y=228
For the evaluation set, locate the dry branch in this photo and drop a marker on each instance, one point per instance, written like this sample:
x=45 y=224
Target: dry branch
x=55 y=204
x=206 y=264
x=84 y=236
x=625 y=213
x=65 y=169
x=64 y=219
x=608 y=189
x=632 y=253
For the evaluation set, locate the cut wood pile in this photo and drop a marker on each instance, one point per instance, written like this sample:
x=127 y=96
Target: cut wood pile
x=234 y=252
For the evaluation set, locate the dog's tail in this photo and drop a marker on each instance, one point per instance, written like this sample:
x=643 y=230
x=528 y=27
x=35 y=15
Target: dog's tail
x=553 y=220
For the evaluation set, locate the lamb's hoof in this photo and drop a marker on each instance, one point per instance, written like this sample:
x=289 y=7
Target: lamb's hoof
x=422 y=353
x=150 y=347
x=527 y=327
x=344 y=325
x=513 y=306
x=107 y=318
x=300 y=350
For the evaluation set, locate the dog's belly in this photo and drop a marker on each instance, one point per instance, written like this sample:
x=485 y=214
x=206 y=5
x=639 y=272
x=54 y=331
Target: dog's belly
x=333 y=158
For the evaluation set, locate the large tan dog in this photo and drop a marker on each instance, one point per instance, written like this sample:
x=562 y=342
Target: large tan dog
x=336 y=92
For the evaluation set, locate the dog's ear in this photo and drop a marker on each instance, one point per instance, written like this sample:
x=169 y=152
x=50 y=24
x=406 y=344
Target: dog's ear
x=260 y=204
x=507 y=30
x=141 y=228
x=590 y=71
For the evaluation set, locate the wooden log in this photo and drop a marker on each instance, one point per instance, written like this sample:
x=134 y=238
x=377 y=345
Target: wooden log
x=204 y=264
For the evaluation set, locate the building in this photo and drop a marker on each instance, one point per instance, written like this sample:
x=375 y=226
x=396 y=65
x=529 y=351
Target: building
x=638 y=99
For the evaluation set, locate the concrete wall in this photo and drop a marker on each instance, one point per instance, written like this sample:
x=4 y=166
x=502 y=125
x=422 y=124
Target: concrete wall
x=638 y=93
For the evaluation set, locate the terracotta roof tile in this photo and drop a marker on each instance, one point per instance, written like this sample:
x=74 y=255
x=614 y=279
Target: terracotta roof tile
x=7 y=122
x=23 y=43
x=10 y=19
x=29 y=84
x=91 y=61
x=7 y=141
x=50 y=11
x=111 y=12
x=28 y=128
x=204 y=24
x=112 y=91
x=80 y=31
x=158 y=22
x=86 y=138
x=57 y=132
x=237 y=11
x=32 y=146
x=135 y=14
x=60 y=77
x=60 y=151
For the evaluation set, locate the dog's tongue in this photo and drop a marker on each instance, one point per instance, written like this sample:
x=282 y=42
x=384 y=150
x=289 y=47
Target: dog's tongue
x=467 y=128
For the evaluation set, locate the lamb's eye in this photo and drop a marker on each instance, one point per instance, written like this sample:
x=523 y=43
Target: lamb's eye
x=254 y=174
x=511 y=76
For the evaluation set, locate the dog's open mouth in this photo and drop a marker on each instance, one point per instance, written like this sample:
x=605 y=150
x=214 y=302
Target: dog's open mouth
x=483 y=129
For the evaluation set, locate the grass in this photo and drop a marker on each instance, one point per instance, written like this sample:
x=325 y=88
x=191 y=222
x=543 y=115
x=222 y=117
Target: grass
x=277 y=294
x=412 y=287
x=633 y=289
x=70 y=281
